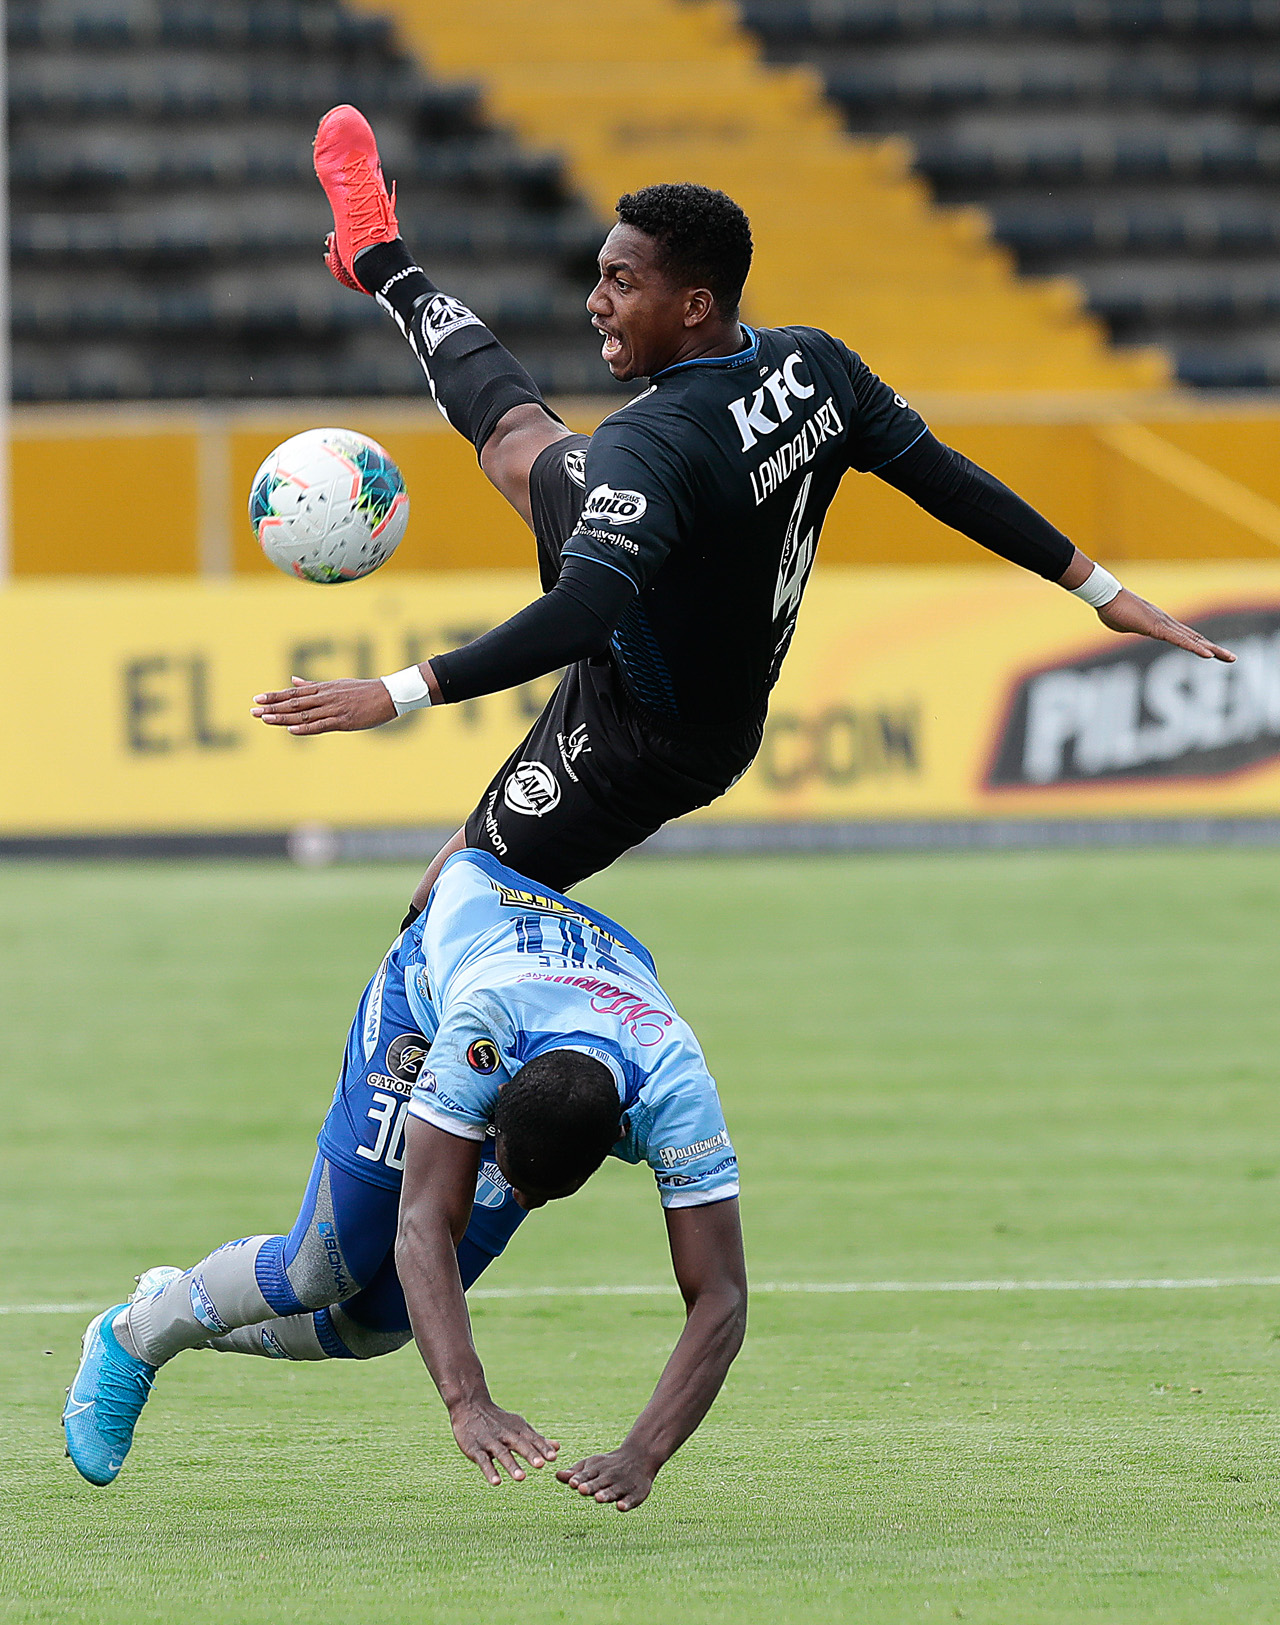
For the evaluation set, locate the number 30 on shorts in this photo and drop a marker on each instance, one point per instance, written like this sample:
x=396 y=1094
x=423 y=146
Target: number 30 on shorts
x=389 y=1113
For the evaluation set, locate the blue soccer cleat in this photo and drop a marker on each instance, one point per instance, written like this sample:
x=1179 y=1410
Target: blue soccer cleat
x=104 y=1401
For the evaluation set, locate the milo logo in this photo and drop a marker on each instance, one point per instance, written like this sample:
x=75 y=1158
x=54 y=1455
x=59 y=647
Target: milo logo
x=610 y=507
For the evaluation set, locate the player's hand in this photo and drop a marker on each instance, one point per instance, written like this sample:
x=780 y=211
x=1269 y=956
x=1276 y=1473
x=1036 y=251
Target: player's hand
x=342 y=706
x=622 y=1477
x=1129 y=613
x=493 y=1438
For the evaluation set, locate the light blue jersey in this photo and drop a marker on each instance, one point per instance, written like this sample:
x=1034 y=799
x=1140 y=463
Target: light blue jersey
x=498 y=971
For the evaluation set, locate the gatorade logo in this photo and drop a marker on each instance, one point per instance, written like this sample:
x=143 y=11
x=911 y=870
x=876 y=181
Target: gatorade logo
x=405 y=1056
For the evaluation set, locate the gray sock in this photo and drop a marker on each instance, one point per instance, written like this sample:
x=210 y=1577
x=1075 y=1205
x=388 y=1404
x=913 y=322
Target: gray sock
x=292 y=1337
x=210 y=1299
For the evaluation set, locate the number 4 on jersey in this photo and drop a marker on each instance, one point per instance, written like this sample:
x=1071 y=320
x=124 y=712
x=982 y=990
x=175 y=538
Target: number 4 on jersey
x=797 y=557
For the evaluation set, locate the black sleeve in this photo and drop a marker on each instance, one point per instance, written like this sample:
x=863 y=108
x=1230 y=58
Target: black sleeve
x=881 y=424
x=575 y=619
x=975 y=503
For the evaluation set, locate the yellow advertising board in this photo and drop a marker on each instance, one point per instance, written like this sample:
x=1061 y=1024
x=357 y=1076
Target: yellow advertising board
x=946 y=692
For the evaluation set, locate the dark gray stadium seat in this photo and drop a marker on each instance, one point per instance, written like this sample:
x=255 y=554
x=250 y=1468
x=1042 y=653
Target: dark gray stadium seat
x=167 y=226
x=1132 y=144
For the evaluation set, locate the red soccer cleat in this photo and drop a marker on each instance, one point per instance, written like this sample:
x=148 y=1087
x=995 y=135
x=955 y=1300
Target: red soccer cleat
x=347 y=166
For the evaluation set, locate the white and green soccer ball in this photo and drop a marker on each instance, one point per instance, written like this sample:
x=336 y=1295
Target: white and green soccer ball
x=328 y=505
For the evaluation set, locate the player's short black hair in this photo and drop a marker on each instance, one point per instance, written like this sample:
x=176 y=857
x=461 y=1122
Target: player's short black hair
x=704 y=238
x=558 y=1117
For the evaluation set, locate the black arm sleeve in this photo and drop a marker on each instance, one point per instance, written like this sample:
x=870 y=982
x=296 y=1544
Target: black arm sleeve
x=975 y=503
x=575 y=619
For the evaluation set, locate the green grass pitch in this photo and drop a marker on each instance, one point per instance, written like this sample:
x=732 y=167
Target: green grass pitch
x=936 y=1069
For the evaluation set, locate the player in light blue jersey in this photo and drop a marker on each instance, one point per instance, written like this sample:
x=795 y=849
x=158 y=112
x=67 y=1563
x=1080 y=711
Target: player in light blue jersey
x=509 y=1041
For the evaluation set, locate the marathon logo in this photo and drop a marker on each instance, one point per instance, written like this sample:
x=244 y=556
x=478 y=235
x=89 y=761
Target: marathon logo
x=1147 y=711
x=491 y=828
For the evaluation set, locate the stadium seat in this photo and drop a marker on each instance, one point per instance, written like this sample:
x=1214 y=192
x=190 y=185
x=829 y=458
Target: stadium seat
x=167 y=227
x=1129 y=144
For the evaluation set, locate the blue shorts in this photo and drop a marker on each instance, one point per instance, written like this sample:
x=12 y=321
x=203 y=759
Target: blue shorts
x=362 y=1139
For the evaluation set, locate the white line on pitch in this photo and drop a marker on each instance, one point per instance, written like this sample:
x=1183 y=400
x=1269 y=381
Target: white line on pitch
x=1202 y=1283
x=1138 y=1284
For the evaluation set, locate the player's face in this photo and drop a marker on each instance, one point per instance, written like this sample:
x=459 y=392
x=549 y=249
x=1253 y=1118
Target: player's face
x=643 y=318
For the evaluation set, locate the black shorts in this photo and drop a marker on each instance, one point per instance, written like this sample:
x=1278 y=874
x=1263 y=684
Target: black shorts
x=597 y=773
x=595 y=776
x=557 y=489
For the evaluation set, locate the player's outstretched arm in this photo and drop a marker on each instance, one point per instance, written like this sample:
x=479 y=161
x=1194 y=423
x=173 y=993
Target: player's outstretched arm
x=571 y=622
x=706 y=1250
x=1123 y=611
x=435 y=1206
x=979 y=506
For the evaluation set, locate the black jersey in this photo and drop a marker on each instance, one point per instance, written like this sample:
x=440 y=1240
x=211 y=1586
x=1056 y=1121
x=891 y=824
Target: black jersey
x=708 y=492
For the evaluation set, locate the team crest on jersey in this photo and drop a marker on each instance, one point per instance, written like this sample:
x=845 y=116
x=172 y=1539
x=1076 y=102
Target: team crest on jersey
x=575 y=466
x=612 y=507
x=442 y=315
x=492 y=1186
x=405 y=1056
x=483 y=1057
x=531 y=788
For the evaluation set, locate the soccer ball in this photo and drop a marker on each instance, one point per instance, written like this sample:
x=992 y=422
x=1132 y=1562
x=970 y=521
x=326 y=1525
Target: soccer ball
x=328 y=505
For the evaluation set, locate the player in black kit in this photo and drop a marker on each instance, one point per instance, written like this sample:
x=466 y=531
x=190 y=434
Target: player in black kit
x=674 y=544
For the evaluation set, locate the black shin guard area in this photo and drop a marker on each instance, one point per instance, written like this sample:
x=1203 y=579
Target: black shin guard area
x=474 y=379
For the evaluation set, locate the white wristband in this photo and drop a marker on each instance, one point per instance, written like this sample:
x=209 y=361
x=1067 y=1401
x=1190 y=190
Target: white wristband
x=1099 y=587
x=408 y=690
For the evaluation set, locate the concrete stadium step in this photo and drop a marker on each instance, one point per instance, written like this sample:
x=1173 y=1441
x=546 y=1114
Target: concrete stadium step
x=1180 y=294
x=296 y=24
x=939 y=82
x=1202 y=225
x=1090 y=153
x=123 y=157
x=820 y=22
x=112 y=373
x=1100 y=137
x=39 y=311
x=296 y=225
x=176 y=84
x=1247 y=364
